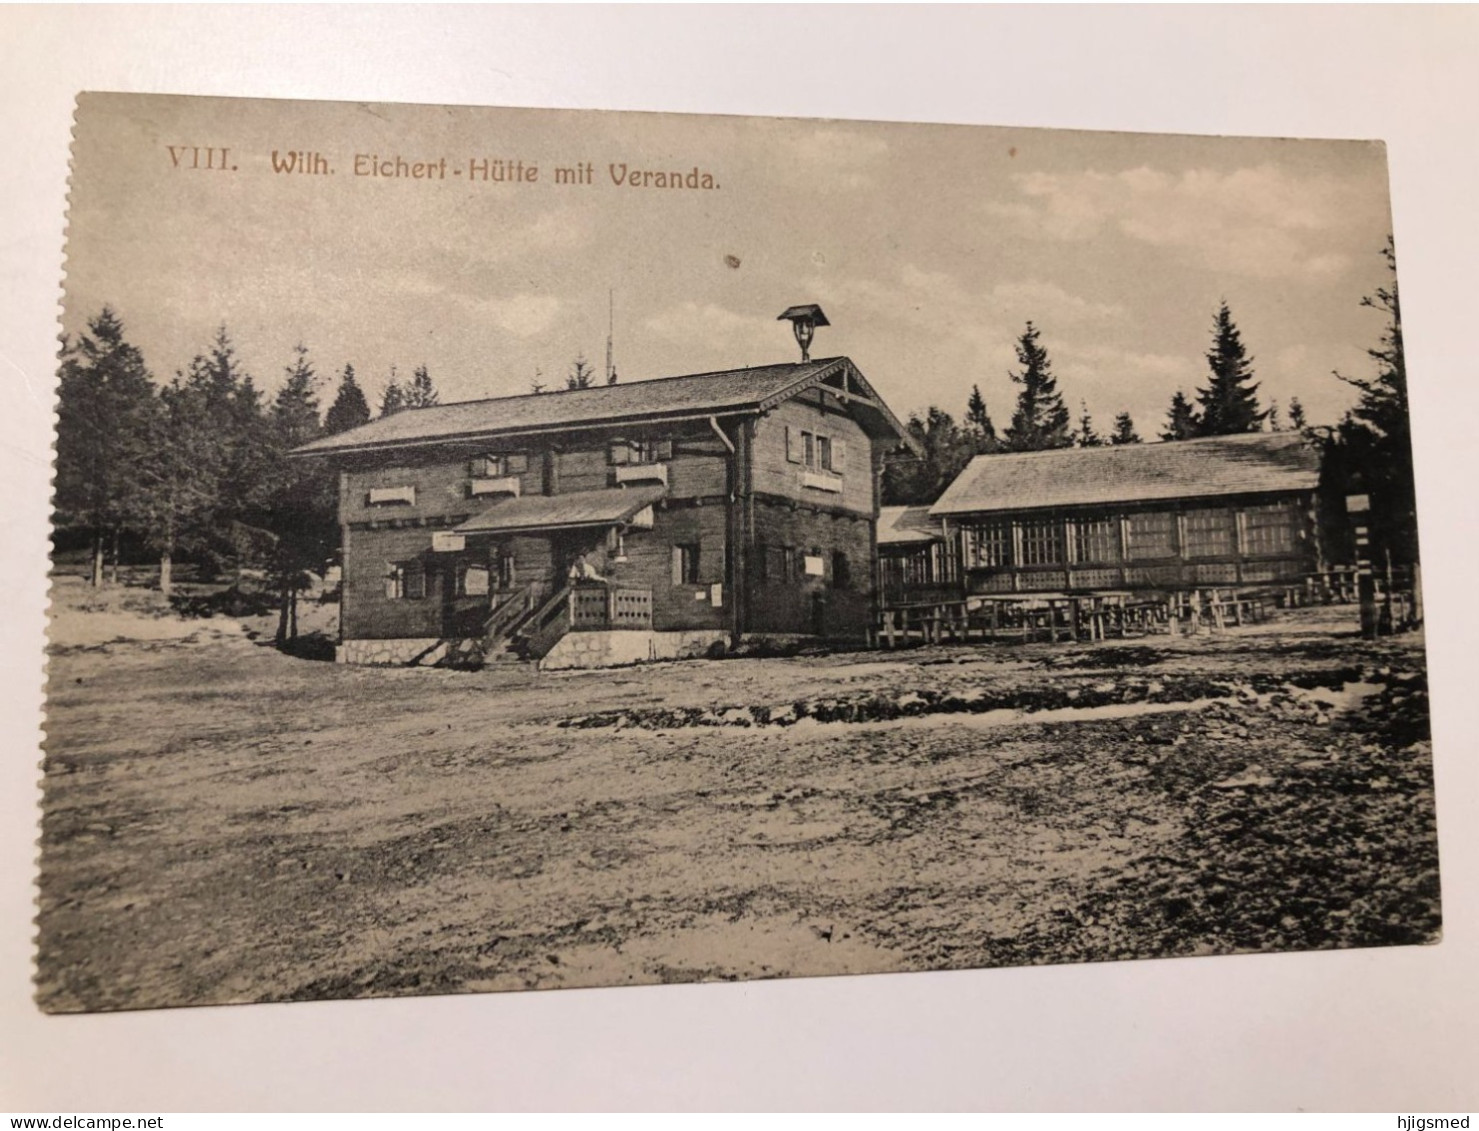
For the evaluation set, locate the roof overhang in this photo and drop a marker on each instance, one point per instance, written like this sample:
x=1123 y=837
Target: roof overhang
x=611 y=506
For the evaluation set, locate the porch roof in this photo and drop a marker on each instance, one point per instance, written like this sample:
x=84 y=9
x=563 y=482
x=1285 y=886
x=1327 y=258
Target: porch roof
x=907 y=525
x=607 y=507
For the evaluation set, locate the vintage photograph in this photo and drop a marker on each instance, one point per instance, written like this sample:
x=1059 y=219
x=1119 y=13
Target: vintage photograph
x=508 y=549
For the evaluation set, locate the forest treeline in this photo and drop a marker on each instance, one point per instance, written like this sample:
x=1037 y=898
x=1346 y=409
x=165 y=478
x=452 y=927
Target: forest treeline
x=1041 y=420
x=1368 y=452
x=195 y=469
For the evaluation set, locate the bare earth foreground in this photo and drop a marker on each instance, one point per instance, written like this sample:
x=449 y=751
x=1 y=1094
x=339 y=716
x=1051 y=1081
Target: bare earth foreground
x=224 y=823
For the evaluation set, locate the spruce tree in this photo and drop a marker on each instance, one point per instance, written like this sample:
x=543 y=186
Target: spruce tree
x=1373 y=444
x=1124 y=431
x=1297 y=419
x=421 y=393
x=1229 y=403
x=393 y=399
x=910 y=480
x=350 y=409
x=1182 y=422
x=1041 y=419
x=581 y=375
x=1086 y=437
x=104 y=412
x=301 y=510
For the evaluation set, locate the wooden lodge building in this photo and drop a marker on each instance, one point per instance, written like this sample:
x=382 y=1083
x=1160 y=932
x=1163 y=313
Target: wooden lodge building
x=614 y=524
x=1224 y=511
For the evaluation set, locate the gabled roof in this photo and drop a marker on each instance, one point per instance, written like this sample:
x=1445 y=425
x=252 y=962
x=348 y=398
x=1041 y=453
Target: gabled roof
x=698 y=394
x=899 y=526
x=1254 y=463
x=556 y=512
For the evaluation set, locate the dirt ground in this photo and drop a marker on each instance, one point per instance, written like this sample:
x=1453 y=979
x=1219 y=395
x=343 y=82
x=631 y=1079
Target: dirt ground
x=226 y=823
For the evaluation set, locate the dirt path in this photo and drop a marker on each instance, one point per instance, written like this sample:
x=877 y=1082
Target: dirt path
x=225 y=823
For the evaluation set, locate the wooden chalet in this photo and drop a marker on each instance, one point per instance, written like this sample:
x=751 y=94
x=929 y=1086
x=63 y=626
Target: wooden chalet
x=1224 y=511
x=623 y=522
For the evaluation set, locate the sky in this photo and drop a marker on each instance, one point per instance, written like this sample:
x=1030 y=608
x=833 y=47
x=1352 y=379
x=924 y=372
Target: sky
x=929 y=248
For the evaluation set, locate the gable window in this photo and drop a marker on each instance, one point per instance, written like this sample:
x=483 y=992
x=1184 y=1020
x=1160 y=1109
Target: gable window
x=685 y=564
x=815 y=451
x=405 y=581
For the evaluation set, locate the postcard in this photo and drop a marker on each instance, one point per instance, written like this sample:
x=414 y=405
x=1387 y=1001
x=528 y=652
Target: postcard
x=507 y=549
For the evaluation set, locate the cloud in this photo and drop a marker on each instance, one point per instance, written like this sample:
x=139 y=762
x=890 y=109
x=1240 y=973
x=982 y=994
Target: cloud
x=1261 y=221
x=720 y=329
x=522 y=315
x=841 y=158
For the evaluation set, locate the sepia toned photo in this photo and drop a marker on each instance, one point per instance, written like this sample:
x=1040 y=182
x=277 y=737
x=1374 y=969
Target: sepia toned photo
x=514 y=549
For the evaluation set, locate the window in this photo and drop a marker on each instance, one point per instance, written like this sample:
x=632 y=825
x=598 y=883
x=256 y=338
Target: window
x=815 y=451
x=1042 y=542
x=685 y=564
x=1152 y=535
x=1095 y=540
x=841 y=571
x=1270 y=529
x=989 y=544
x=1209 y=533
x=474 y=581
x=640 y=451
x=405 y=581
x=788 y=563
x=497 y=466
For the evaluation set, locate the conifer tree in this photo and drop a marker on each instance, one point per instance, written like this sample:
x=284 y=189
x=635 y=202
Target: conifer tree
x=181 y=478
x=421 y=393
x=1229 y=403
x=105 y=406
x=1373 y=444
x=1297 y=419
x=301 y=510
x=947 y=448
x=1041 y=419
x=1124 y=431
x=1086 y=437
x=581 y=375
x=350 y=409
x=393 y=399
x=1182 y=422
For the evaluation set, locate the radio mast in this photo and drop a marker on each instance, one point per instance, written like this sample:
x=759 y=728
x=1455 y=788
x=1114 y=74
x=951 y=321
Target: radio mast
x=610 y=337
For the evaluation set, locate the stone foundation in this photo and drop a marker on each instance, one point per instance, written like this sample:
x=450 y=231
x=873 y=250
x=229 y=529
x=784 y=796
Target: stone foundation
x=391 y=651
x=619 y=647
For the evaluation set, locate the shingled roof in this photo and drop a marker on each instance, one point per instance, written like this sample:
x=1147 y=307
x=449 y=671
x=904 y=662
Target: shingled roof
x=1254 y=463
x=899 y=526
x=698 y=394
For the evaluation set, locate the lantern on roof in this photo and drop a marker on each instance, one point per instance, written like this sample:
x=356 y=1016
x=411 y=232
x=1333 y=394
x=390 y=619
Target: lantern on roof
x=804 y=321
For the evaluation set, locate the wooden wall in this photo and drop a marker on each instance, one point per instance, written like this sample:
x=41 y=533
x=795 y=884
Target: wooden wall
x=793 y=604
x=775 y=475
x=1183 y=565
